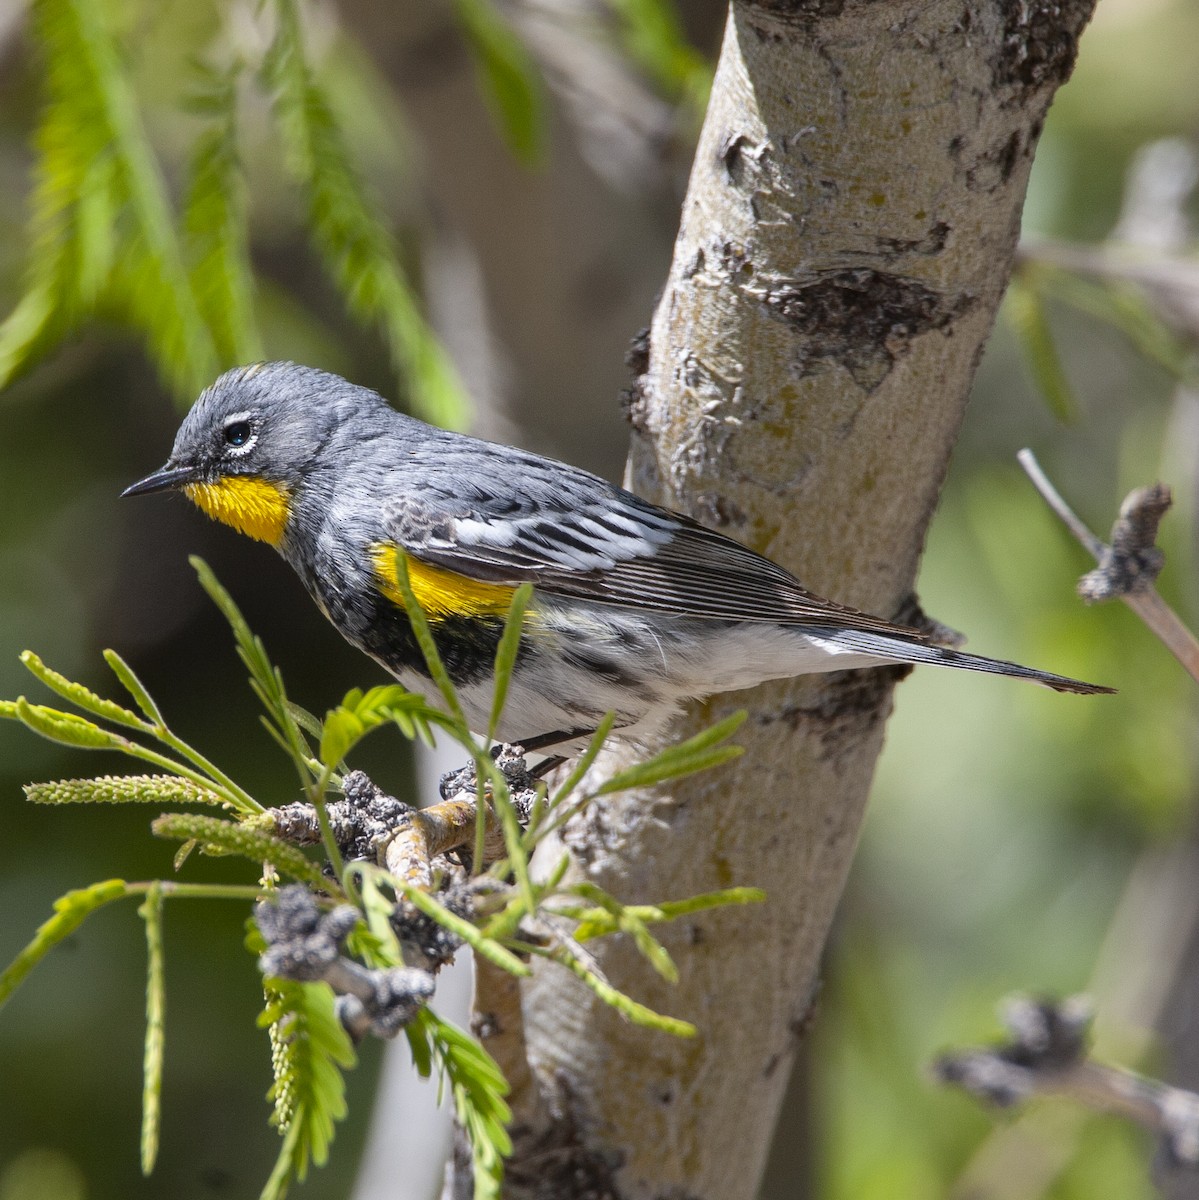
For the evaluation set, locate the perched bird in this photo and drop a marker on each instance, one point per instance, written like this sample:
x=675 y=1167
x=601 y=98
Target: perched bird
x=634 y=609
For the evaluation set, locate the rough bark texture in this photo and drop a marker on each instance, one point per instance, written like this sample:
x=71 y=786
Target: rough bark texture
x=847 y=235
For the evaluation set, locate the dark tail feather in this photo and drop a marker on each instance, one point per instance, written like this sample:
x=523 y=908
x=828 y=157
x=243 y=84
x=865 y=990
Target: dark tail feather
x=902 y=650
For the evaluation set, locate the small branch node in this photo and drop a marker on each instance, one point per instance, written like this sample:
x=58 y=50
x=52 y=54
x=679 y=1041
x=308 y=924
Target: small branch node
x=1047 y=1056
x=1132 y=562
x=302 y=943
x=1128 y=567
x=305 y=944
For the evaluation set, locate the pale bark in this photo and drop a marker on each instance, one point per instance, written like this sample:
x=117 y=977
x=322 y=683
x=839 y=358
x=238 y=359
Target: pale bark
x=848 y=233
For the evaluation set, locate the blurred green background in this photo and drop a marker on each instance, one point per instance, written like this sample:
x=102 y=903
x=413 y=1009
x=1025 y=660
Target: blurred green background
x=1016 y=841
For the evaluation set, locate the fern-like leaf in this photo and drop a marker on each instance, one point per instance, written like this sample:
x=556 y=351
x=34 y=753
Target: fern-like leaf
x=353 y=241
x=309 y=1052
x=478 y=1088
x=101 y=226
x=214 y=222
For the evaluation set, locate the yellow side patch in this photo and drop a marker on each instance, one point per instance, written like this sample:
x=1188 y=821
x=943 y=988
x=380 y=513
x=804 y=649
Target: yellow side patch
x=252 y=506
x=441 y=593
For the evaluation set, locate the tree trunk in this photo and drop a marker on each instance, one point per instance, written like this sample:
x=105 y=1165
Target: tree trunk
x=846 y=238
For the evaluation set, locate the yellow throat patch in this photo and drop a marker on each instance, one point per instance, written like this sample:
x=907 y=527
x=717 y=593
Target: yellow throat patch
x=252 y=506
x=440 y=593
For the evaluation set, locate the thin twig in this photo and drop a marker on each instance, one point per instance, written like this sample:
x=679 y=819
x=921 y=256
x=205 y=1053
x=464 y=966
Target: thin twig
x=305 y=944
x=1129 y=564
x=1047 y=1056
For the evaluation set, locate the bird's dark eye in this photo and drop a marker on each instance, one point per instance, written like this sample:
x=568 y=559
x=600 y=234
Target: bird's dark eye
x=237 y=433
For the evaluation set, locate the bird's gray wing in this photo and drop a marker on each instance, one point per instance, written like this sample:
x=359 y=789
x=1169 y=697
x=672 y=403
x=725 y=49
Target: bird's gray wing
x=574 y=534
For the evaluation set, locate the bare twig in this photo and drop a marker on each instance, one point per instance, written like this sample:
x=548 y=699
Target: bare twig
x=1129 y=565
x=1047 y=1056
x=305 y=944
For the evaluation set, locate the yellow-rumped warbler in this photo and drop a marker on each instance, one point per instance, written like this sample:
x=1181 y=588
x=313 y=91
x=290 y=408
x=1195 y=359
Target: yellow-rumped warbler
x=635 y=609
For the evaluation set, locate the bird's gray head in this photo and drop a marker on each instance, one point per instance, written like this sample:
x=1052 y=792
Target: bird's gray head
x=253 y=438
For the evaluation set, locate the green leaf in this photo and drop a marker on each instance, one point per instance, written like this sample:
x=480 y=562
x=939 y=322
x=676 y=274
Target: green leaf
x=382 y=948
x=697 y=753
x=603 y=920
x=478 y=1088
x=151 y=912
x=123 y=789
x=478 y=941
x=1123 y=304
x=66 y=728
x=309 y=1052
x=214 y=221
x=501 y=803
x=229 y=837
x=505 y=654
x=341 y=731
x=70 y=911
x=1027 y=314
x=428 y=647
x=359 y=713
x=38 y=321
x=265 y=678
x=79 y=695
x=134 y=686
x=508 y=77
x=632 y=922
x=101 y=226
x=638 y=1013
x=418 y=1034
x=557 y=812
x=352 y=238
x=653 y=36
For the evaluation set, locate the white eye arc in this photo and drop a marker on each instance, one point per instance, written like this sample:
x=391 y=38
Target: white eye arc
x=240 y=434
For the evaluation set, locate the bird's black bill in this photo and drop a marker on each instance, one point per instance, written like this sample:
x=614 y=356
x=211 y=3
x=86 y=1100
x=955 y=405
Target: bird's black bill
x=163 y=479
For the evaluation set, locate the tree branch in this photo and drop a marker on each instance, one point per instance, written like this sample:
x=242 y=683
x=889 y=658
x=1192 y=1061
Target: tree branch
x=1046 y=1055
x=1128 y=567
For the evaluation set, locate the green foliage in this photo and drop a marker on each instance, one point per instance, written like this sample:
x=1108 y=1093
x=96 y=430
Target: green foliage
x=218 y=837
x=604 y=919
x=1121 y=304
x=653 y=37
x=505 y=654
x=151 y=912
x=71 y=729
x=699 y=753
x=361 y=712
x=1026 y=311
x=122 y=789
x=310 y=1049
x=283 y=720
x=610 y=916
x=353 y=241
x=478 y=940
x=1113 y=300
x=574 y=961
x=215 y=223
x=70 y=911
x=105 y=241
x=101 y=230
x=508 y=78
x=478 y=1089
